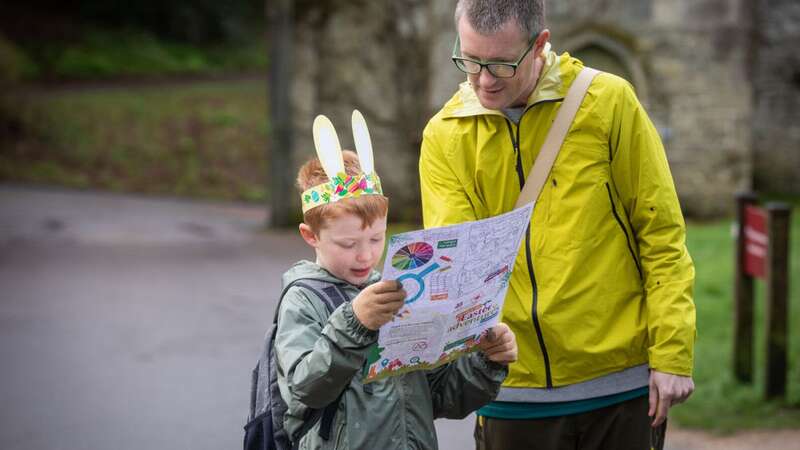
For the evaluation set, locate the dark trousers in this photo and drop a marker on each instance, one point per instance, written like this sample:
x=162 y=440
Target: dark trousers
x=624 y=426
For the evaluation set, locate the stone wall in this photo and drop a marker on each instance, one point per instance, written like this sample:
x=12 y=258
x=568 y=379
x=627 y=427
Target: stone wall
x=688 y=62
x=371 y=56
x=776 y=75
x=698 y=66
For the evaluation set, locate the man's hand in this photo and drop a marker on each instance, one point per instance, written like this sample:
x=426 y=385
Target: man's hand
x=378 y=303
x=667 y=390
x=499 y=344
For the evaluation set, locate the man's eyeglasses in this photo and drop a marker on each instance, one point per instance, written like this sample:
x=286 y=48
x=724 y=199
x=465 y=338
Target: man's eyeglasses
x=496 y=68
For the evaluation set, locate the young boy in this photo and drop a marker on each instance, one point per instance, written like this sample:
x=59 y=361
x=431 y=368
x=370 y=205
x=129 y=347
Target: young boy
x=321 y=355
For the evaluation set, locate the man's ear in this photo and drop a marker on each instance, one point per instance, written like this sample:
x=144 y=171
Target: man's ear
x=308 y=235
x=541 y=40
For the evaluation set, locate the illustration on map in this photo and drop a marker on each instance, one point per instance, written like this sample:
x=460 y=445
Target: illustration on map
x=455 y=278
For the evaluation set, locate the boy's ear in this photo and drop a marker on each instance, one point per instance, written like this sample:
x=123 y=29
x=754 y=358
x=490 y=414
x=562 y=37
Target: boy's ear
x=308 y=235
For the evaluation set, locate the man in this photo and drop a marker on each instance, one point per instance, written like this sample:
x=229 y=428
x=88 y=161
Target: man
x=600 y=298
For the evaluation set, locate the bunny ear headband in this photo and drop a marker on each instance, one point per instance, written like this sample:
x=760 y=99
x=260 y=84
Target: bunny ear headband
x=341 y=185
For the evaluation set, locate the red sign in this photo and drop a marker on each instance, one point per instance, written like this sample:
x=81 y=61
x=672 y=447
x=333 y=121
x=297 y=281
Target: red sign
x=755 y=241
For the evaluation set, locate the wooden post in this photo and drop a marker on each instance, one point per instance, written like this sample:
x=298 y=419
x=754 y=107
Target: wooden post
x=280 y=15
x=777 y=298
x=743 y=299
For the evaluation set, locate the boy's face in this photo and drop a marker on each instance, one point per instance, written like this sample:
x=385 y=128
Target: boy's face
x=345 y=249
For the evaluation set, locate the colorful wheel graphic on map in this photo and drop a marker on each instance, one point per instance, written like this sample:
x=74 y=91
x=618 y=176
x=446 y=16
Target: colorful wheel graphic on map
x=412 y=256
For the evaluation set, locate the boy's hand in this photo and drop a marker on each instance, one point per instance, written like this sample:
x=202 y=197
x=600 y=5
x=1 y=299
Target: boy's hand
x=499 y=344
x=378 y=303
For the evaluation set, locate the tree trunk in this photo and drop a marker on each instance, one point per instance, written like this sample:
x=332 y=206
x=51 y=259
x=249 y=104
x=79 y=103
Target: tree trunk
x=279 y=150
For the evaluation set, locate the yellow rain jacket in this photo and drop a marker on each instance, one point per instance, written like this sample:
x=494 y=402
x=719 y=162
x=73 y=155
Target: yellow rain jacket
x=603 y=281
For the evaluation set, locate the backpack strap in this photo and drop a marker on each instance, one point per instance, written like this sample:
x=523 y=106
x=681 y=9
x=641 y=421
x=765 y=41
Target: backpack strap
x=555 y=137
x=329 y=292
x=328 y=414
x=333 y=296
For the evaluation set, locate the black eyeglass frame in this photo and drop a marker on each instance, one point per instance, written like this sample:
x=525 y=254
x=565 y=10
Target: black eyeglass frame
x=489 y=64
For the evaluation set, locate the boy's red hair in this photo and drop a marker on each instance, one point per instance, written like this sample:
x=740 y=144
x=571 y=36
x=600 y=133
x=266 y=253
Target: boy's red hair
x=367 y=207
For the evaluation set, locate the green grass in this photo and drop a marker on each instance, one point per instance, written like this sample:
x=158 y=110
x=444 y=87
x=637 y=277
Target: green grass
x=720 y=402
x=200 y=139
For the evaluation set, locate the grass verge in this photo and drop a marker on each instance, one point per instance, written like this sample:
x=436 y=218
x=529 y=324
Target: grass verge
x=199 y=139
x=721 y=403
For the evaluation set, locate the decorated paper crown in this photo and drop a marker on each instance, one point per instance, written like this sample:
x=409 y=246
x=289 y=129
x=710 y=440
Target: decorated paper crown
x=329 y=151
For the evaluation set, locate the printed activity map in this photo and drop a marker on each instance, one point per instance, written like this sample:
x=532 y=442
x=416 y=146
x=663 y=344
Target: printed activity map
x=455 y=278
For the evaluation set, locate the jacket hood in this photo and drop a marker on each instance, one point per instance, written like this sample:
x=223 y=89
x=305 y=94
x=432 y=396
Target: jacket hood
x=308 y=269
x=550 y=87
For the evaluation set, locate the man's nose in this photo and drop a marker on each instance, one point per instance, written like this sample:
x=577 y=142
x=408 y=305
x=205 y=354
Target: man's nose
x=485 y=77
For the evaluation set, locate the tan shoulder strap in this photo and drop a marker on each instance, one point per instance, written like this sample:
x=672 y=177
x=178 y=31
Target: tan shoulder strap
x=555 y=137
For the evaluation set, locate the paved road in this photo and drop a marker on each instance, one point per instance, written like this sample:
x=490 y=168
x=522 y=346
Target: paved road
x=132 y=323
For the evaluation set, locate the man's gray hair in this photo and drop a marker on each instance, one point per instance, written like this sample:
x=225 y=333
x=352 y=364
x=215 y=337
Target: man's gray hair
x=487 y=16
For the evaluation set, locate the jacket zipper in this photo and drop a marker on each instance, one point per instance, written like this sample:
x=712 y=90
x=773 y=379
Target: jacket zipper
x=622 y=227
x=529 y=257
x=339 y=436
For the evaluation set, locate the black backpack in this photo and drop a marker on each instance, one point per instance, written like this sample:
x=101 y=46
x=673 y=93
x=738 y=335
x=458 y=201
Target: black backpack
x=264 y=426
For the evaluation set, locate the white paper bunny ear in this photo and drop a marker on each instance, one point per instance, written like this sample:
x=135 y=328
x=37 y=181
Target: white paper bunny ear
x=329 y=150
x=341 y=185
x=363 y=143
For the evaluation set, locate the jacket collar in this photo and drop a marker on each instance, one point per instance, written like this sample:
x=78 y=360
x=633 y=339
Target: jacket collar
x=548 y=88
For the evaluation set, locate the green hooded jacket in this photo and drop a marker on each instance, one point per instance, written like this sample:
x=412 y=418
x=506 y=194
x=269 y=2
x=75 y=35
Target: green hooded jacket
x=321 y=355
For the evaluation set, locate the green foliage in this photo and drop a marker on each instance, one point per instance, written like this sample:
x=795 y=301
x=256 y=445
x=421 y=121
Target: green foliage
x=191 y=21
x=113 y=38
x=195 y=140
x=14 y=63
x=106 y=54
x=720 y=402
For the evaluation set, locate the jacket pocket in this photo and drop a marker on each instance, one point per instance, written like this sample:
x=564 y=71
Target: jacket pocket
x=578 y=215
x=338 y=442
